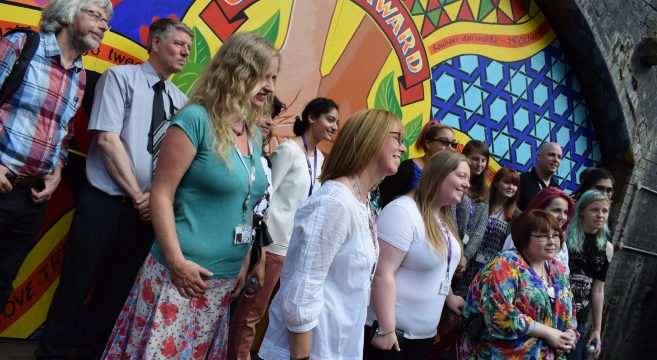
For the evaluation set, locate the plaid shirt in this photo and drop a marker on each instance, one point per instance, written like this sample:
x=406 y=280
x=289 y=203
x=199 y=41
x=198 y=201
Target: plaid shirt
x=36 y=123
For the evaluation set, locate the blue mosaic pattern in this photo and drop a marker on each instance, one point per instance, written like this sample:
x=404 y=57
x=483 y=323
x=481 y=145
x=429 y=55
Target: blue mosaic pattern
x=514 y=107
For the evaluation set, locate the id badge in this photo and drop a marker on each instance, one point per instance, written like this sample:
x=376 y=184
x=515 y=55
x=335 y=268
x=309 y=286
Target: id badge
x=243 y=234
x=482 y=259
x=444 y=287
x=466 y=239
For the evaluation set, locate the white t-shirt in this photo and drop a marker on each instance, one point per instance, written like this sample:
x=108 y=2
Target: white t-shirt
x=290 y=183
x=418 y=304
x=562 y=254
x=325 y=281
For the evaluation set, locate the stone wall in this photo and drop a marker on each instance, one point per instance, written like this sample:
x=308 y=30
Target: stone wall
x=612 y=45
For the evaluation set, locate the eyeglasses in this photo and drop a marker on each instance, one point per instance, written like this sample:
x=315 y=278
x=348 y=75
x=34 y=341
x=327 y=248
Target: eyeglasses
x=446 y=142
x=605 y=190
x=97 y=17
x=545 y=238
x=398 y=136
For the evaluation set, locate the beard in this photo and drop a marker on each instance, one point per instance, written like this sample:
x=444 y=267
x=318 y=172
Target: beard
x=79 y=40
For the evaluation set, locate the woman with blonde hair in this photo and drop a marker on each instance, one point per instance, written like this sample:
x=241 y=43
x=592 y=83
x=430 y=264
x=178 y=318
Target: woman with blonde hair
x=207 y=180
x=320 y=308
x=420 y=250
x=433 y=138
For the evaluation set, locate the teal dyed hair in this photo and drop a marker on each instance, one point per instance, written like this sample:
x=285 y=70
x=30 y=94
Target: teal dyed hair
x=575 y=236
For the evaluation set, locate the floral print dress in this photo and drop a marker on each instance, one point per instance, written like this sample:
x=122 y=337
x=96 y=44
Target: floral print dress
x=512 y=298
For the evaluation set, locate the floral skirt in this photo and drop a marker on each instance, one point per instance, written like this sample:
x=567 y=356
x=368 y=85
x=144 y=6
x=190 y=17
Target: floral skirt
x=156 y=322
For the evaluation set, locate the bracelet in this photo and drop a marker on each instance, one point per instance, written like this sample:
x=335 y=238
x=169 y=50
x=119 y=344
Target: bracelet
x=307 y=357
x=379 y=332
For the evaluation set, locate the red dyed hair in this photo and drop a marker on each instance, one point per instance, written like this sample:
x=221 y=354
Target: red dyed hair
x=435 y=126
x=505 y=174
x=545 y=197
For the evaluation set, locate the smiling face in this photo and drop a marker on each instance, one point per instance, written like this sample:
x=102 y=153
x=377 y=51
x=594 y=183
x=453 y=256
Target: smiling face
x=506 y=189
x=443 y=140
x=549 y=159
x=169 y=55
x=325 y=126
x=390 y=154
x=478 y=163
x=88 y=28
x=455 y=184
x=559 y=208
x=594 y=216
x=267 y=85
x=542 y=245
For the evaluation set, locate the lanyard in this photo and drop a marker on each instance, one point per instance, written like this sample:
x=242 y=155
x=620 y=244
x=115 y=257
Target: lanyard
x=537 y=279
x=251 y=175
x=448 y=240
x=312 y=170
x=471 y=218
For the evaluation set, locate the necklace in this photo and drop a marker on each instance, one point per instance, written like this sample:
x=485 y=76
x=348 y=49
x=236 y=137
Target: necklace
x=370 y=216
x=241 y=132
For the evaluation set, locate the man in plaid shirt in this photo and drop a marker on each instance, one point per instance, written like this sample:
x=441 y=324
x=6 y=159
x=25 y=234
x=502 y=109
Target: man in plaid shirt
x=36 y=121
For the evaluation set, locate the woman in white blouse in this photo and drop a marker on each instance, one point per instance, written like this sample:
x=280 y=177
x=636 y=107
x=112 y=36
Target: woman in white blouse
x=320 y=308
x=420 y=251
x=296 y=165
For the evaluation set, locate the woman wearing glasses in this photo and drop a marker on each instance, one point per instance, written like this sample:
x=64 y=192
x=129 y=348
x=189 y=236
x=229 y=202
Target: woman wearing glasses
x=433 y=138
x=519 y=305
x=589 y=256
x=593 y=178
x=320 y=308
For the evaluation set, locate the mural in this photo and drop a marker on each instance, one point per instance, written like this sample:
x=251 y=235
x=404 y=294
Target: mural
x=492 y=69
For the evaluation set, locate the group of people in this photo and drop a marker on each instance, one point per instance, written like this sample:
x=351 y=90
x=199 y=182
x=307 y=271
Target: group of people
x=183 y=196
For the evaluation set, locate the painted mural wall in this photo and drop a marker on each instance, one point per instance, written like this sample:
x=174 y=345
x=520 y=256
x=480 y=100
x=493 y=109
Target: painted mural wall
x=492 y=69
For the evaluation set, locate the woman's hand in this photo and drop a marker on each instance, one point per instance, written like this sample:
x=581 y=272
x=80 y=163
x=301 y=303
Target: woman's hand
x=595 y=335
x=559 y=340
x=239 y=282
x=454 y=303
x=386 y=342
x=188 y=278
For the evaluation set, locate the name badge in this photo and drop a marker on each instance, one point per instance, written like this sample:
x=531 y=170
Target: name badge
x=466 y=239
x=444 y=287
x=482 y=259
x=243 y=234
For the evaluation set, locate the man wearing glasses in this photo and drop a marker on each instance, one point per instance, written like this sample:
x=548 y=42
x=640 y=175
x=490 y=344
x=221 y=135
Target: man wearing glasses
x=111 y=232
x=36 y=121
x=548 y=161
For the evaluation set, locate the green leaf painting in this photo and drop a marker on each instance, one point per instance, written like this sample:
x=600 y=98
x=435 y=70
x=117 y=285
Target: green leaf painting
x=269 y=30
x=411 y=132
x=385 y=96
x=199 y=58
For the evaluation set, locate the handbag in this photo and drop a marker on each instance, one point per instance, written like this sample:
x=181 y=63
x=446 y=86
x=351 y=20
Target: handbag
x=261 y=238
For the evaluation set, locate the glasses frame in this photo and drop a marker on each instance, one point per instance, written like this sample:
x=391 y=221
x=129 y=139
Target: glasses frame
x=97 y=17
x=544 y=238
x=453 y=144
x=397 y=135
x=607 y=191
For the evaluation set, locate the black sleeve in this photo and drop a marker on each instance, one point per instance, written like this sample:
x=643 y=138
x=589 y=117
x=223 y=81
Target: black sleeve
x=396 y=185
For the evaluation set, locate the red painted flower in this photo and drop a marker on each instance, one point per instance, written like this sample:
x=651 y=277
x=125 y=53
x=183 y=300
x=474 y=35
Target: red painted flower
x=148 y=294
x=169 y=347
x=169 y=312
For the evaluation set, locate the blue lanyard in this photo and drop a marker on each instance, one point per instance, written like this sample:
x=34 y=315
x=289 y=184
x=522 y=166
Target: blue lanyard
x=471 y=218
x=312 y=170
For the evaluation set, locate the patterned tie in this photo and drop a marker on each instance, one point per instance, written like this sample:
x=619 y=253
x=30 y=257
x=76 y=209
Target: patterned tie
x=158 y=122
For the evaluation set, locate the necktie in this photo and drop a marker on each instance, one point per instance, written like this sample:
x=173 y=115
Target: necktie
x=158 y=122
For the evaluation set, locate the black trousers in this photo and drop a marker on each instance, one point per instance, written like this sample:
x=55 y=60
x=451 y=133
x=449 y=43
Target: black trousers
x=107 y=242
x=410 y=349
x=20 y=220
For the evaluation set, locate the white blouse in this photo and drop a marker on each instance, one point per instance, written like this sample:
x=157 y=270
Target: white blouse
x=290 y=182
x=326 y=279
x=418 y=303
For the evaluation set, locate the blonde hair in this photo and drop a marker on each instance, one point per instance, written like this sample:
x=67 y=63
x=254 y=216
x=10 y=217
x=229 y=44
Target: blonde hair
x=229 y=82
x=358 y=143
x=440 y=165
